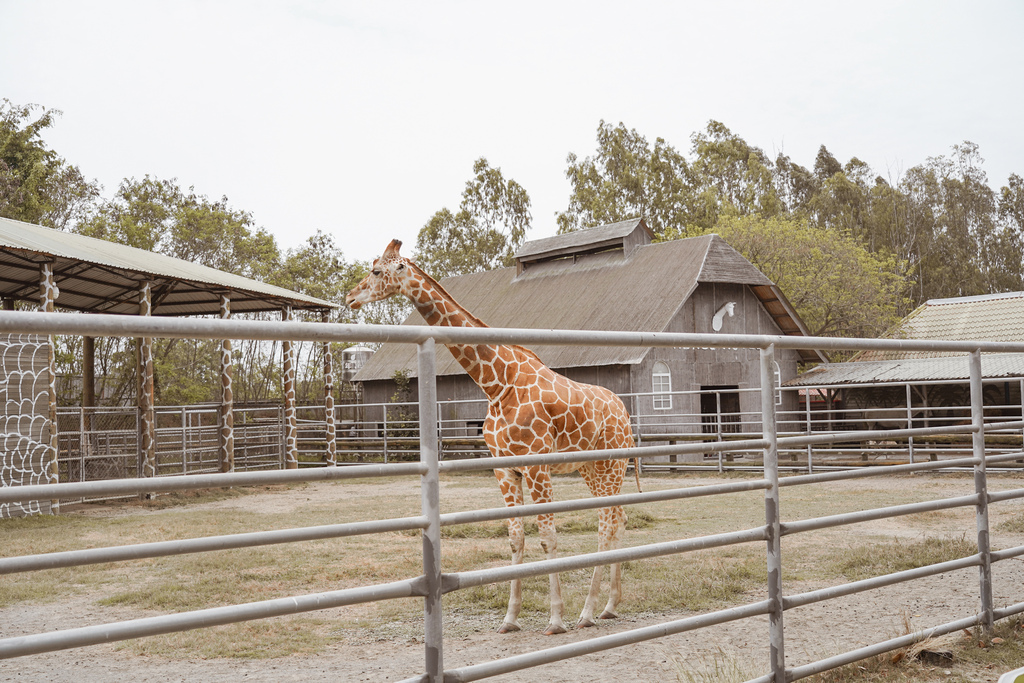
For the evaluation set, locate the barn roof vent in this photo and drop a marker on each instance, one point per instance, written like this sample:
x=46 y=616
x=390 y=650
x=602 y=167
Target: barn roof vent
x=622 y=237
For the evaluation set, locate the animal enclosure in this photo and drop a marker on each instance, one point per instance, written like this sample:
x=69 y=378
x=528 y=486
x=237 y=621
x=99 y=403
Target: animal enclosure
x=434 y=581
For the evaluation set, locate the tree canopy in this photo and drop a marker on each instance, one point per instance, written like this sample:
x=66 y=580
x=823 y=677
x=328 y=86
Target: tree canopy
x=484 y=233
x=939 y=228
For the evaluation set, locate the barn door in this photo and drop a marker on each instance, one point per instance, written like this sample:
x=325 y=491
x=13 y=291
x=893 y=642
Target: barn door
x=720 y=409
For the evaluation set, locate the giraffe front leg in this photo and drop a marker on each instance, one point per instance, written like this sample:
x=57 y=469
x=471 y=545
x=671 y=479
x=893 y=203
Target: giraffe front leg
x=511 y=485
x=549 y=543
x=517 y=540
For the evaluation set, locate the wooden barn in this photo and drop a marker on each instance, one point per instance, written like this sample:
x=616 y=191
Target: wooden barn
x=614 y=277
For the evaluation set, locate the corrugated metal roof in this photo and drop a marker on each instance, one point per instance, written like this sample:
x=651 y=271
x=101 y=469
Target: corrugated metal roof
x=100 y=276
x=604 y=291
x=945 y=368
x=995 y=317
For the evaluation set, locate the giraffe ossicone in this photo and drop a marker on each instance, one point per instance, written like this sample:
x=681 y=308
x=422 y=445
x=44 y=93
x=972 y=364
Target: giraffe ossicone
x=531 y=409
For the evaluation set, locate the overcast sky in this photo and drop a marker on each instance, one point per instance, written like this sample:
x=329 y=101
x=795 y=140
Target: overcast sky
x=364 y=118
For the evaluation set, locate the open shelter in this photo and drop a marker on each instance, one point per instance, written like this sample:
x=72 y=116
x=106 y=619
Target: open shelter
x=51 y=270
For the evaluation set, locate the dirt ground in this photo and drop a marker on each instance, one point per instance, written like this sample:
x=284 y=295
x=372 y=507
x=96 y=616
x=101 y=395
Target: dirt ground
x=812 y=632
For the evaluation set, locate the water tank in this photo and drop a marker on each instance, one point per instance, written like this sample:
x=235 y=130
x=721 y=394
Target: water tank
x=352 y=359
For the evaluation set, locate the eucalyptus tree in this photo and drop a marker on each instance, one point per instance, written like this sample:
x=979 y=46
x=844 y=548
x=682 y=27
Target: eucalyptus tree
x=484 y=233
x=37 y=185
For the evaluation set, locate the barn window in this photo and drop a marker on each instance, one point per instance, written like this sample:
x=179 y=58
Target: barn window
x=661 y=382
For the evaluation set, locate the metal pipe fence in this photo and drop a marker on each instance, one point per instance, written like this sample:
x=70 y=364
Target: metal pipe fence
x=434 y=582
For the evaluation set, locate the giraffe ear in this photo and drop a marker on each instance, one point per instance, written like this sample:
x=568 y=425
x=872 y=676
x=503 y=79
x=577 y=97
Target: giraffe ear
x=393 y=248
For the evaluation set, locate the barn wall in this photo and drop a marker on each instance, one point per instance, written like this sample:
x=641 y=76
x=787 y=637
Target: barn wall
x=695 y=368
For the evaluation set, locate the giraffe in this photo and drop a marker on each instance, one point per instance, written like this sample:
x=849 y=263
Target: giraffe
x=531 y=409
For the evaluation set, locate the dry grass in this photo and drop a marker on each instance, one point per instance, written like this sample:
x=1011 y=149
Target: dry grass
x=697 y=581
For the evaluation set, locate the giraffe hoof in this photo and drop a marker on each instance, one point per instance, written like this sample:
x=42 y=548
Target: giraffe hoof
x=608 y=615
x=508 y=628
x=553 y=629
x=585 y=623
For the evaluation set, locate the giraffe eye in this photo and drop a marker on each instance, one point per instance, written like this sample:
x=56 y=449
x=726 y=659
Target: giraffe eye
x=376 y=271
x=401 y=267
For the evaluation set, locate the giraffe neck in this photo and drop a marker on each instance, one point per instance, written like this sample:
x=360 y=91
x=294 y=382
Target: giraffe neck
x=485 y=363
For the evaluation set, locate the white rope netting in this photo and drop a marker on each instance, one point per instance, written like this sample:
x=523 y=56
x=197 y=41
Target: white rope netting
x=27 y=456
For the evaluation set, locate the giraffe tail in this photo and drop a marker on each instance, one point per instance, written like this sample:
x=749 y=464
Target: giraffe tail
x=636 y=473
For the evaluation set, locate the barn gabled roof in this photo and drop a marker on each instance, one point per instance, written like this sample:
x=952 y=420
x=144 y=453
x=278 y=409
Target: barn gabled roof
x=104 y=277
x=640 y=289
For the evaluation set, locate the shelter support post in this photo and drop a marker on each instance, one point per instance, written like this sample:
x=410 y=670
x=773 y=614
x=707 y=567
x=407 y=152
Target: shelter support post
x=772 y=516
x=981 y=488
x=47 y=299
x=331 y=428
x=431 y=509
x=147 y=408
x=291 y=426
x=227 y=396
x=88 y=384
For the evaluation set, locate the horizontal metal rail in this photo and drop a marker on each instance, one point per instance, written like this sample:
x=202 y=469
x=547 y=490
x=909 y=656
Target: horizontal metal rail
x=103 y=325
x=508 y=461
x=601 y=643
x=852 y=656
x=459 y=580
x=810 y=597
x=139 y=551
x=877 y=513
x=122 y=487
x=888 y=470
x=215 y=616
x=1007 y=553
x=533 y=509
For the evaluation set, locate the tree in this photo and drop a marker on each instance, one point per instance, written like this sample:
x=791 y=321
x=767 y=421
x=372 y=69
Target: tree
x=36 y=184
x=836 y=285
x=959 y=241
x=626 y=178
x=484 y=233
x=158 y=215
x=732 y=176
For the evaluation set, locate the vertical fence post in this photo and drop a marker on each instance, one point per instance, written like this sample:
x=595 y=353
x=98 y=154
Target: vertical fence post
x=431 y=506
x=910 y=423
x=981 y=488
x=769 y=431
x=810 y=427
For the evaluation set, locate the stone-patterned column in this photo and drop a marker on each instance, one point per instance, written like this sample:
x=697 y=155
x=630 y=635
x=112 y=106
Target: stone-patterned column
x=291 y=426
x=227 y=406
x=48 y=293
x=332 y=443
x=147 y=410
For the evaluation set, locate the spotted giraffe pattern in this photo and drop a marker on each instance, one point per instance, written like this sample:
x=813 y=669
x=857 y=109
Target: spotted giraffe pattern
x=531 y=409
x=227 y=397
x=48 y=294
x=332 y=444
x=291 y=424
x=146 y=399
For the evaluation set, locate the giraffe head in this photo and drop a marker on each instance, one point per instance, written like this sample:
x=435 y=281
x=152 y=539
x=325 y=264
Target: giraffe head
x=386 y=276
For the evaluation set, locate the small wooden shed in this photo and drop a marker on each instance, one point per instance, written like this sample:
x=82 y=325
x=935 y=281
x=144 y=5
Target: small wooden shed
x=614 y=277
